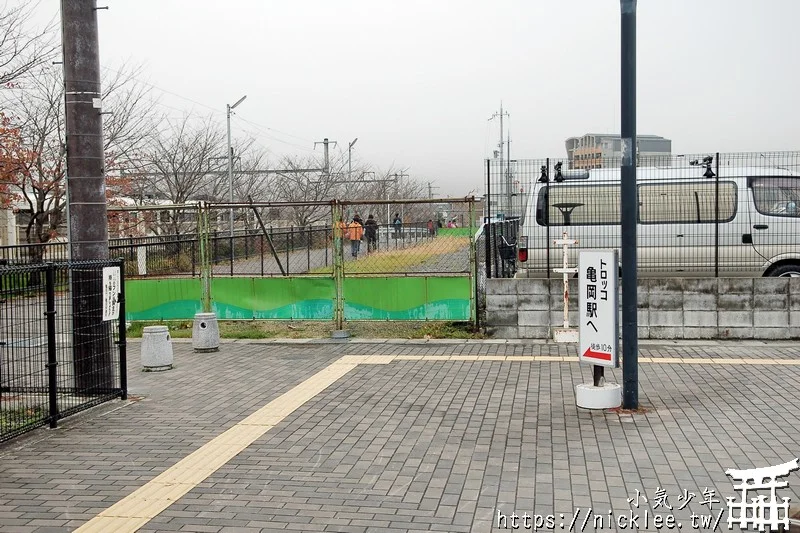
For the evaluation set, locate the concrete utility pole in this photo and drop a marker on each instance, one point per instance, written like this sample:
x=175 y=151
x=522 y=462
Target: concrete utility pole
x=326 y=166
x=88 y=224
x=501 y=114
x=629 y=207
x=349 y=165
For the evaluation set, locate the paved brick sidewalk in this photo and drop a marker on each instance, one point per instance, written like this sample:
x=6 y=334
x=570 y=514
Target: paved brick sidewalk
x=415 y=445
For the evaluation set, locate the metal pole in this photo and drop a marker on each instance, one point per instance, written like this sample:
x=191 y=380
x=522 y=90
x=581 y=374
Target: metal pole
x=630 y=339
x=716 y=218
x=122 y=335
x=488 y=220
x=52 y=362
x=230 y=173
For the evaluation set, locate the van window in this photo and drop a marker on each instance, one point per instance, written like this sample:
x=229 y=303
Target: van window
x=578 y=205
x=777 y=196
x=670 y=203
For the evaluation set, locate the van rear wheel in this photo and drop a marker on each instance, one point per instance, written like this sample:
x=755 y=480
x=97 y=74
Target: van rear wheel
x=791 y=270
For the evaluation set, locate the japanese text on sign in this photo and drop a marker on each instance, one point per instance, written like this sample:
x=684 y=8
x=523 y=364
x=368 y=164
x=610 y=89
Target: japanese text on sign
x=598 y=308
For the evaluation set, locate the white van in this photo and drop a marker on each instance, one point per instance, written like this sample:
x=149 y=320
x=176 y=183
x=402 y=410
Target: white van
x=744 y=222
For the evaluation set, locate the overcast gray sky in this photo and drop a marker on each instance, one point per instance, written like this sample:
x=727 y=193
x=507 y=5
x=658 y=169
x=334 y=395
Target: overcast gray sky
x=416 y=80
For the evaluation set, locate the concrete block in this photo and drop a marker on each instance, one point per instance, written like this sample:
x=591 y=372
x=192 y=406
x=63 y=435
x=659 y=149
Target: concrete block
x=772 y=334
x=532 y=286
x=668 y=332
x=557 y=318
x=771 y=302
x=644 y=332
x=702 y=319
x=794 y=333
x=502 y=332
x=501 y=302
x=699 y=301
x=736 y=333
x=690 y=332
x=794 y=319
x=771 y=286
x=770 y=319
x=501 y=318
x=734 y=302
x=501 y=286
x=665 y=319
x=664 y=284
x=642 y=316
x=735 y=319
x=534 y=318
x=735 y=285
x=533 y=302
x=672 y=301
x=534 y=332
x=700 y=285
x=794 y=300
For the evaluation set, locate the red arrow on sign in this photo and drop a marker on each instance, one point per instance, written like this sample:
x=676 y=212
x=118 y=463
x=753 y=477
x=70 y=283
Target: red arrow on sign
x=591 y=354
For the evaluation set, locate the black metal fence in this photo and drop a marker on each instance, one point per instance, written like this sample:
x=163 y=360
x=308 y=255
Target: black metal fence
x=57 y=355
x=705 y=214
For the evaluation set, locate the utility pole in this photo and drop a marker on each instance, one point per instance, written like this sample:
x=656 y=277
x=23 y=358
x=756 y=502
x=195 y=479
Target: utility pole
x=397 y=176
x=501 y=114
x=430 y=190
x=629 y=208
x=326 y=166
x=88 y=222
x=349 y=165
x=230 y=164
x=511 y=190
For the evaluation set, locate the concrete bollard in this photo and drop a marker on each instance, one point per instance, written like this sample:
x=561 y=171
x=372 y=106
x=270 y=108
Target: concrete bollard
x=205 y=333
x=156 y=349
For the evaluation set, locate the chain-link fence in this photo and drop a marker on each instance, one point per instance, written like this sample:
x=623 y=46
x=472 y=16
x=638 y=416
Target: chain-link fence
x=401 y=237
x=703 y=214
x=57 y=354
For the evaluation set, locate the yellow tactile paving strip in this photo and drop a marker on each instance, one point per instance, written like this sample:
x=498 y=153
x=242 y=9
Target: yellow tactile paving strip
x=138 y=508
x=134 y=511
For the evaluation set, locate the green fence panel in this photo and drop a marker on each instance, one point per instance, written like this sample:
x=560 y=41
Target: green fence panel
x=409 y=298
x=162 y=299
x=242 y=298
x=300 y=298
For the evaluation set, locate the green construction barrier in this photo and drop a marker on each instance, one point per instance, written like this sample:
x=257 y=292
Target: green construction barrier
x=301 y=298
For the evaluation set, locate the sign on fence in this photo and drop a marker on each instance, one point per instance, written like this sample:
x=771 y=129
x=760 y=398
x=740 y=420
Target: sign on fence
x=111 y=291
x=599 y=328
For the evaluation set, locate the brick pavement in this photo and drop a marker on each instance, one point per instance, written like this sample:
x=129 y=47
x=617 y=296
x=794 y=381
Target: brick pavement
x=414 y=445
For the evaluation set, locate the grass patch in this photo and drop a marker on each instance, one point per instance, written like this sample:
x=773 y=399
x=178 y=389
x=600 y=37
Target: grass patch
x=268 y=329
x=14 y=419
x=400 y=260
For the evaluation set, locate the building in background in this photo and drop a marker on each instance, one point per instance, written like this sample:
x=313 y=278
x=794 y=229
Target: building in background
x=598 y=150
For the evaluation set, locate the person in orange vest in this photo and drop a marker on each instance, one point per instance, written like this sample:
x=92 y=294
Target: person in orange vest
x=355 y=232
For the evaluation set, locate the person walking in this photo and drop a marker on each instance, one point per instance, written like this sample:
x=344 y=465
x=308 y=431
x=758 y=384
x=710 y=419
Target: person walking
x=355 y=232
x=431 y=229
x=371 y=232
x=398 y=225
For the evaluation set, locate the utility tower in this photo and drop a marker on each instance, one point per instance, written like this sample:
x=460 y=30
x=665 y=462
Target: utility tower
x=326 y=168
x=506 y=191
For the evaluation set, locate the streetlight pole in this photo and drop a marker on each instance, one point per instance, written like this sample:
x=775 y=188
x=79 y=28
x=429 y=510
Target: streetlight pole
x=230 y=163
x=349 y=166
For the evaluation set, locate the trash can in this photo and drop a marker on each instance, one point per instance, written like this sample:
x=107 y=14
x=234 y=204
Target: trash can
x=205 y=333
x=156 y=349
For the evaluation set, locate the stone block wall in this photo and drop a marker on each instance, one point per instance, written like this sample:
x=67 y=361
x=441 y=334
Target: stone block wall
x=669 y=308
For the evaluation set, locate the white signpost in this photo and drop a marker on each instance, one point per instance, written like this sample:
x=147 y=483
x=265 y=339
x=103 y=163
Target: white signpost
x=598 y=310
x=111 y=291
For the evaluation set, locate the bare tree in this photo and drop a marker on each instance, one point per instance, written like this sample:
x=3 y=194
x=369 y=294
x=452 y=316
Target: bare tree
x=36 y=107
x=300 y=181
x=23 y=48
